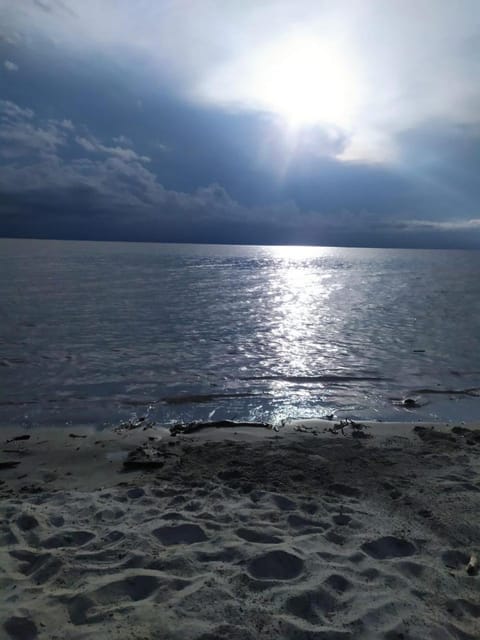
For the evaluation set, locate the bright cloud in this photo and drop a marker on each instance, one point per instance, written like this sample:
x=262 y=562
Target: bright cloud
x=472 y=224
x=93 y=145
x=10 y=66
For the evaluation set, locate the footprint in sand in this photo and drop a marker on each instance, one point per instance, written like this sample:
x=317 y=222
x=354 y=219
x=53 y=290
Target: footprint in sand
x=344 y=490
x=230 y=474
x=251 y=535
x=112 y=537
x=344 y=520
x=411 y=569
x=304 y=525
x=40 y=566
x=227 y=554
x=135 y=587
x=309 y=507
x=460 y=608
x=68 y=539
x=135 y=492
x=227 y=632
x=312 y=605
x=338 y=583
x=111 y=559
x=132 y=588
x=389 y=547
x=109 y=515
x=78 y=608
x=7 y=536
x=180 y=534
x=334 y=537
x=455 y=559
x=299 y=633
x=276 y=565
x=57 y=521
x=93 y=606
x=283 y=503
x=26 y=522
x=20 y=628
x=173 y=515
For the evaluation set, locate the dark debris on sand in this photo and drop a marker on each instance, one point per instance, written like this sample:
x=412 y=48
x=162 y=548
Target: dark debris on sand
x=193 y=427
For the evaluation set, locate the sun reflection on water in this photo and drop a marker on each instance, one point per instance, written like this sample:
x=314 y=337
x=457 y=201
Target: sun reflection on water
x=300 y=292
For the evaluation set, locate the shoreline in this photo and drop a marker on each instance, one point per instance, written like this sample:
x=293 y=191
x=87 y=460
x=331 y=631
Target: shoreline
x=241 y=533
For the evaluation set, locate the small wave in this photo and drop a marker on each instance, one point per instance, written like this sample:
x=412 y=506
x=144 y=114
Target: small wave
x=137 y=403
x=10 y=362
x=208 y=397
x=474 y=392
x=318 y=379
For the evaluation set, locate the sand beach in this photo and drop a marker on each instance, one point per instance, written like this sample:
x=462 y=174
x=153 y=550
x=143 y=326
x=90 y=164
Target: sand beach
x=312 y=532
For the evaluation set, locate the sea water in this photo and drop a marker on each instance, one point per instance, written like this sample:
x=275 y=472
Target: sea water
x=95 y=332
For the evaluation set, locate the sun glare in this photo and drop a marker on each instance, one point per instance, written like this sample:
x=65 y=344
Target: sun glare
x=306 y=82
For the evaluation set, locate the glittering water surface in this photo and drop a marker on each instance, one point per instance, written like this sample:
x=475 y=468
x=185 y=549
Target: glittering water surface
x=97 y=332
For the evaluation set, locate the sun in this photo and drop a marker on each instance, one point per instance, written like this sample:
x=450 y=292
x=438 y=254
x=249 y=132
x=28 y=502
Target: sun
x=302 y=78
x=306 y=82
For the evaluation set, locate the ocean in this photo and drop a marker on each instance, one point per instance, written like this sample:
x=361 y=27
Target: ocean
x=99 y=333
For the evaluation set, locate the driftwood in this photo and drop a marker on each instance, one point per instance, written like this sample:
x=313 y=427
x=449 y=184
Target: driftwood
x=192 y=427
x=11 y=464
x=357 y=428
x=17 y=438
x=472 y=436
x=134 y=423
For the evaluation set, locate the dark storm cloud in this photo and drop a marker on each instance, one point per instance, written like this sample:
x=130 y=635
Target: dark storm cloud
x=60 y=179
x=445 y=159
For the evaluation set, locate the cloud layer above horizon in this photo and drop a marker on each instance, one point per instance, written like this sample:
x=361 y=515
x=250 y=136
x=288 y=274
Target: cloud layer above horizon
x=350 y=123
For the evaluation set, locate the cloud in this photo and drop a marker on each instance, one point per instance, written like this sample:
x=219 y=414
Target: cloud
x=40 y=174
x=10 y=110
x=20 y=136
x=122 y=141
x=57 y=178
x=9 y=38
x=53 y=6
x=114 y=178
x=118 y=179
x=10 y=66
x=67 y=124
x=472 y=224
x=414 y=61
x=92 y=145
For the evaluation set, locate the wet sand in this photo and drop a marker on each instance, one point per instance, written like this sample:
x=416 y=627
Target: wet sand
x=313 y=532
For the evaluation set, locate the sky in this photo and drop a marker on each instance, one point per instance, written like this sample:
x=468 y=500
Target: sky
x=352 y=123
